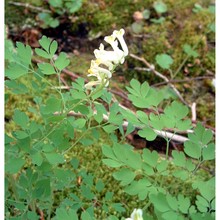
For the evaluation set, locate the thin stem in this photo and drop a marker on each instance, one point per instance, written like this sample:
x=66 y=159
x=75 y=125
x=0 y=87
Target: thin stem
x=146 y=206
x=59 y=81
x=197 y=167
x=167 y=147
x=50 y=132
x=84 y=133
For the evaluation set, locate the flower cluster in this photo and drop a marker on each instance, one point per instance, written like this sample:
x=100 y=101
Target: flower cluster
x=136 y=215
x=106 y=61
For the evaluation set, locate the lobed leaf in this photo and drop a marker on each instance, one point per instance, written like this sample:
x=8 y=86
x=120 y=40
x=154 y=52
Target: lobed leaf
x=54 y=158
x=111 y=163
x=47 y=68
x=42 y=53
x=193 y=150
x=179 y=158
x=62 y=62
x=16 y=70
x=147 y=133
x=150 y=157
x=208 y=152
x=24 y=53
x=20 y=118
x=125 y=175
x=14 y=165
x=62 y=213
x=159 y=201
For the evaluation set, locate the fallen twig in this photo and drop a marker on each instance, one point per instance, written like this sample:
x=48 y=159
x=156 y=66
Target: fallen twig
x=164 y=134
x=27 y=5
x=193 y=109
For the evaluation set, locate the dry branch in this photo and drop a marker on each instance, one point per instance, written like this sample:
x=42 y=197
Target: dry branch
x=164 y=134
x=27 y=5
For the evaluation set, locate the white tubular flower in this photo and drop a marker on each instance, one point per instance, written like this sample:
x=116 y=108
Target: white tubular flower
x=119 y=36
x=106 y=61
x=89 y=85
x=136 y=215
x=97 y=71
x=116 y=56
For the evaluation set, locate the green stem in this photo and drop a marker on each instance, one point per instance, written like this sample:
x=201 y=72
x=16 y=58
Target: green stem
x=197 y=167
x=146 y=206
x=50 y=132
x=59 y=81
x=167 y=148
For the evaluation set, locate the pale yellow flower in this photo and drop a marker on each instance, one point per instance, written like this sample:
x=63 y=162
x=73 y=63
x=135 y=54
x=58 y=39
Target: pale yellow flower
x=119 y=35
x=106 y=61
x=136 y=215
x=116 y=56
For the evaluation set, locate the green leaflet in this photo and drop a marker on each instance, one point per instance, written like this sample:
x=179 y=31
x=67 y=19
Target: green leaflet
x=122 y=155
x=199 y=145
x=62 y=213
x=164 y=61
x=109 y=128
x=16 y=70
x=24 y=53
x=56 y=3
x=42 y=53
x=62 y=62
x=47 y=68
x=141 y=188
x=179 y=158
x=52 y=105
x=100 y=110
x=124 y=175
x=150 y=157
x=86 y=216
x=147 y=133
x=159 y=201
x=184 y=203
x=176 y=110
x=17 y=88
x=192 y=149
x=118 y=207
x=54 y=158
x=208 y=152
x=20 y=118
x=111 y=163
x=189 y=51
x=87 y=192
x=99 y=185
x=207 y=189
x=169 y=206
x=142 y=95
x=37 y=158
x=73 y=5
x=14 y=165
x=160 y=7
